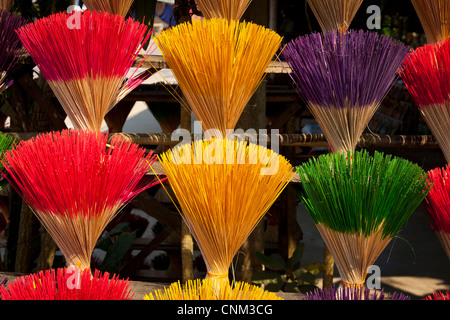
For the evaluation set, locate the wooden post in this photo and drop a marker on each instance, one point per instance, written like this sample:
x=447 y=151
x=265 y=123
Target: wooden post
x=25 y=240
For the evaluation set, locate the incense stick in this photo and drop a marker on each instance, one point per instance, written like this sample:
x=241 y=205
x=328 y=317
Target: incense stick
x=218 y=65
x=120 y=7
x=10 y=46
x=359 y=203
x=76 y=182
x=426 y=75
x=87 y=66
x=6 y=4
x=206 y=289
x=336 y=14
x=434 y=16
x=438 y=205
x=66 y=284
x=224 y=188
x=343 y=78
x=224 y=9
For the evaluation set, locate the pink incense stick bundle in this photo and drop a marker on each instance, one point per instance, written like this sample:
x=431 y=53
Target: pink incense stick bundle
x=76 y=182
x=67 y=284
x=86 y=58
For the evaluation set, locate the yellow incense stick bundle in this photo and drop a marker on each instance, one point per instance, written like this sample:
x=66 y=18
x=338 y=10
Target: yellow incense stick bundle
x=207 y=290
x=226 y=9
x=435 y=18
x=120 y=7
x=224 y=189
x=218 y=64
x=336 y=14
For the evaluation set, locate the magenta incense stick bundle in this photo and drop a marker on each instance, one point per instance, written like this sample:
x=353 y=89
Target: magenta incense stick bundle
x=76 y=182
x=85 y=58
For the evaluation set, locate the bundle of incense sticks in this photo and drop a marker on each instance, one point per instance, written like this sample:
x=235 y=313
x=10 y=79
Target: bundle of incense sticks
x=206 y=289
x=66 y=284
x=6 y=4
x=439 y=296
x=438 y=205
x=76 y=182
x=10 y=46
x=434 y=16
x=343 y=78
x=224 y=188
x=426 y=75
x=360 y=293
x=336 y=14
x=218 y=65
x=86 y=64
x=120 y=7
x=6 y=143
x=359 y=203
x=225 y=9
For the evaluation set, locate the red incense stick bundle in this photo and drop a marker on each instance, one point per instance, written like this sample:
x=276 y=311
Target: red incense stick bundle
x=76 y=182
x=66 y=284
x=438 y=205
x=85 y=58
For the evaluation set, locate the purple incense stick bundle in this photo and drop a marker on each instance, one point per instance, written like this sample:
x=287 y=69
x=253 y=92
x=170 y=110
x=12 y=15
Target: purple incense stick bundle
x=343 y=78
x=10 y=45
x=353 y=293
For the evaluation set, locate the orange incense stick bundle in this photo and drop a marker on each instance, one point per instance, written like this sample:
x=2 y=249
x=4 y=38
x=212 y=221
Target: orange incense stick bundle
x=76 y=182
x=120 y=7
x=224 y=188
x=224 y=9
x=85 y=58
x=218 y=65
x=66 y=284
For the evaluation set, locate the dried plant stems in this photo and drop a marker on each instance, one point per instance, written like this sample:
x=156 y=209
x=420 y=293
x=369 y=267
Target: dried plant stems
x=65 y=284
x=76 y=182
x=434 y=16
x=343 y=78
x=87 y=66
x=224 y=189
x=120 y=7
x=336 y=14
x=206 y=289
x=10 y=45
x=223 y=9
x=438 y=205
x=6 y=4
x=426 y=75
x=359 y=203
x=218 y=65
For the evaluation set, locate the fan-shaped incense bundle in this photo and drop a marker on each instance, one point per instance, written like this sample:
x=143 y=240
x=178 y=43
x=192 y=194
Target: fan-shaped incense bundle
x=439 y=296
x=359 y=203
x=206 y=289
x=6 y=4
x=86 y=64
x=434 y=16
x=218 y=65
x=343 y=78
x=335 y=14
x=6 y=143
x=426 y=75
x=120 y=7
x=10 y=45
x=66 y=284
x=224 y=9
x=224 y=189
x=438 y=205
x=346 y=293
x=76 y=182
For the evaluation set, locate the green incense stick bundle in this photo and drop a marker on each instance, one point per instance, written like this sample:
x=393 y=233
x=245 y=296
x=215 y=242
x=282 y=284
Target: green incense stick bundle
x=359 y=203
